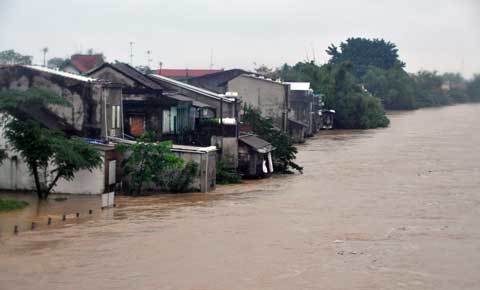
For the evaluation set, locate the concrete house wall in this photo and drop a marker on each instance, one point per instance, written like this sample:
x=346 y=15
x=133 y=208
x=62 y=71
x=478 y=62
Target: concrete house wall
x=301 y=109
x=90 y=113
x=15 y=175
x=269 y=96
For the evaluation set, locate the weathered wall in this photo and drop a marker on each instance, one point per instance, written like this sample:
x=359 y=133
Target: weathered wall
x=228 y=150
x=301 y=106
x=86 y=113
x=206 y=177
x=269 y=96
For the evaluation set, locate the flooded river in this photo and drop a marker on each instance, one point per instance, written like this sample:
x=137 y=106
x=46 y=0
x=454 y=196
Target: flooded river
x=395 y=208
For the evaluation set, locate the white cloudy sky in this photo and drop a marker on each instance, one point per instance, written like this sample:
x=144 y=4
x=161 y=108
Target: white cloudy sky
x=439 y=35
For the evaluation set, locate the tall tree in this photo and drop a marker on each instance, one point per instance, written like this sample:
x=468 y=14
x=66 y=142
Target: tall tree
x=11 y=57
x=363 y=52
x=49 y=154
x=473 y=88
x=55 y=62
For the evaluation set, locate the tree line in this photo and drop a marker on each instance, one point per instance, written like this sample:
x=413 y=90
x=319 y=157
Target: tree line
x=363 y=77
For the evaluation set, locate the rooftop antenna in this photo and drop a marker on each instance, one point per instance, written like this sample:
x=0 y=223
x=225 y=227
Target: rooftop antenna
x=149 y=59
x=131 y=52
x=45 y=50
x=160 y=64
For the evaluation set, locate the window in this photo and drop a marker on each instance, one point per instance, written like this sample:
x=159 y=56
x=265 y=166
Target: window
x=116 y=117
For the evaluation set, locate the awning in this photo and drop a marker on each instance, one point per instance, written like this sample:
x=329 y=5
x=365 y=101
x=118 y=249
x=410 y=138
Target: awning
x=257 y=144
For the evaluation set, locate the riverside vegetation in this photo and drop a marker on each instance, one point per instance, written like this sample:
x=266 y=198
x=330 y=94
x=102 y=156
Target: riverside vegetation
x=365 y=76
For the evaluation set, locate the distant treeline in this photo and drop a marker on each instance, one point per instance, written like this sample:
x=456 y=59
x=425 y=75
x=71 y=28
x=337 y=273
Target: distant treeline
x=364 y=76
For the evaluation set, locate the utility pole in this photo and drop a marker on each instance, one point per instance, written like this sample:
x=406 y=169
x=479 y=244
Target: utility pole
x=211 y=58
x=131 y=52
x=160 y=65
x=45 y=50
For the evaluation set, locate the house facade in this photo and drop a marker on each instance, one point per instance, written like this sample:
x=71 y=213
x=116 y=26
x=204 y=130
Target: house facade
x=268 y=96
x=95 y=113
x=148 y=106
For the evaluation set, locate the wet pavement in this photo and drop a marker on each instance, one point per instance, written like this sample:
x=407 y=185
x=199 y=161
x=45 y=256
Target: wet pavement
x=395 y=208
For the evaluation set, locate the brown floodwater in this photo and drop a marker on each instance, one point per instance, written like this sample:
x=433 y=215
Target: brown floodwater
x=395 y=208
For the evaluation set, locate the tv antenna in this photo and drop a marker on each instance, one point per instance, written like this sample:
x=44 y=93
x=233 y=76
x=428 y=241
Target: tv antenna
x=131 y=52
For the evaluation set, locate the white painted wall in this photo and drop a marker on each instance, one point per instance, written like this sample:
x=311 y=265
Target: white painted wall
x=14 y=175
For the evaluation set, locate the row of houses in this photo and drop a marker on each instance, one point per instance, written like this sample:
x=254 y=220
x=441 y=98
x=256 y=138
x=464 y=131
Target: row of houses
x=200 y=113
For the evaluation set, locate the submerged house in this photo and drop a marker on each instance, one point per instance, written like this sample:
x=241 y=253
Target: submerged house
x=95 y=114
x=218 y=128
x=290 y=112
x=301 y=101
x=149 y=106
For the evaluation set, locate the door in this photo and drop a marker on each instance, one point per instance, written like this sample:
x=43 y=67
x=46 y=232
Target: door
x=137 y=125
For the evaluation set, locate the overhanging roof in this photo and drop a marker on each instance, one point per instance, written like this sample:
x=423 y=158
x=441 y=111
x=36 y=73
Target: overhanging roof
x=257 y=144
x=188 y=87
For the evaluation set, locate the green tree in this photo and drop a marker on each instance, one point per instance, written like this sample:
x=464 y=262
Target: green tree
x=393 y=87
x=473 y=88
x=363 y=52
x=11 y=57
x=428 y=89
x=49 y=154
x=55 y=62
x=355 y=108
x=285 y=153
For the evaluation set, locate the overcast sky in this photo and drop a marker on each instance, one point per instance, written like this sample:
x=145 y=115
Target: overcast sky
x=441 y=35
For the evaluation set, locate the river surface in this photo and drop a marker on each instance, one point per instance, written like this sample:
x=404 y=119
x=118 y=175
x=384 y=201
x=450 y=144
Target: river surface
x=395 y=208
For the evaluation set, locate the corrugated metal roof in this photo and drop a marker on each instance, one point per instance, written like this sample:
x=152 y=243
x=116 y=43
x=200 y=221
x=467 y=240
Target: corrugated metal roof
x=192 y=88
x=60 y=73
x=183 y=98
x=178 y=148
x=256 y=143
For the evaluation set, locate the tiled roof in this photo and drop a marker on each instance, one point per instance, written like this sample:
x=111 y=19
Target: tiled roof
x=131 y=73
x=136 y=75
x=186 y=73
x=85 y=62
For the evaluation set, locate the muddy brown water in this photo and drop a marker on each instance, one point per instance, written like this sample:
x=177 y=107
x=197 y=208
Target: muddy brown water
x=395 y=208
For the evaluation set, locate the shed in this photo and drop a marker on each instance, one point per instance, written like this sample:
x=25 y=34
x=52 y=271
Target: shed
x=254 y=156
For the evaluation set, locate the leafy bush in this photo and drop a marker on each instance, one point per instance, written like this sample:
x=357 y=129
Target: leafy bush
x=226 y=175
x=177 y=180
x=151 y=164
